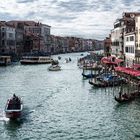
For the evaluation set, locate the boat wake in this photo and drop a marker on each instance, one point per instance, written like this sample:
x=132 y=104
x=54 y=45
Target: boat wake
x=3 y=118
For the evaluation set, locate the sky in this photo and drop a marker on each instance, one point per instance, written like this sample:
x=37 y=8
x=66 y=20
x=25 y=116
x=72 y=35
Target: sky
x=80 y=18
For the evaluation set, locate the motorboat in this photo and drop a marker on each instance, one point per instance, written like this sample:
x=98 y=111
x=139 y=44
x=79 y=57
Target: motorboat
x=54 y=68
x=14 y=108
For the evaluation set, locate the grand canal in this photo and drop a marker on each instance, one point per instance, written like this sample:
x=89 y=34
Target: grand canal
x=62 y=106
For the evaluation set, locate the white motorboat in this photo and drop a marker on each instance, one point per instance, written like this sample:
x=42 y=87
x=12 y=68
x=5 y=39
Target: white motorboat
x=54 y=68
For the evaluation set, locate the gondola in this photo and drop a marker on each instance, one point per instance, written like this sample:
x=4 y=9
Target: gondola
x=89 y=75
x=124 y=100
x=101 y=84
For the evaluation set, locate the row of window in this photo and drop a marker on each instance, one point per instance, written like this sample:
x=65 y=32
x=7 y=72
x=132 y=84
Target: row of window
x=129 y=49
x=8 y=42
x=34 y=30
x=7 y=28
x=116 y=43
x=11 y=35
x=130 y=38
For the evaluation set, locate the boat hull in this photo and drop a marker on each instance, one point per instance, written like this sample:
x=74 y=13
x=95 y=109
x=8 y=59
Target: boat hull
x=124 y=100
x=31 y=60
x=13 y=114
x=32 y=63
x=57 y=68
x=13 y=111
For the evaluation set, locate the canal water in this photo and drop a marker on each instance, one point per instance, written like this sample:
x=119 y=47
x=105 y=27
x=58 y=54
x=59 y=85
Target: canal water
x=63 y=106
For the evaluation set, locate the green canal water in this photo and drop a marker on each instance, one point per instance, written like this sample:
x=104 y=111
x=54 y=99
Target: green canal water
x=62 y=106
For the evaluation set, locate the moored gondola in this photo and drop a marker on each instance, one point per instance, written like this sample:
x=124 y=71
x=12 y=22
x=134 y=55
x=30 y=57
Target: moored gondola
x=89 y=75
x=124 y=100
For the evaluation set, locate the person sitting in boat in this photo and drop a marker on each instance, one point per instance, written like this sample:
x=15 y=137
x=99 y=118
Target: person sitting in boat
x=59 y=57
x=10 y=104
x=16 y=101
x=120 y=94
x=125 y=96
x=66 y=60
x=14 y=97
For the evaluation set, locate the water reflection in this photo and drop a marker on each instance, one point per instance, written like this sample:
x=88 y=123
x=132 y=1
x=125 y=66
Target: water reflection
x=12 y=128
x=13 y=125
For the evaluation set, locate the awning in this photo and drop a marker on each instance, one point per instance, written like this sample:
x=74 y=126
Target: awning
x=129 y=71
x=108 y=60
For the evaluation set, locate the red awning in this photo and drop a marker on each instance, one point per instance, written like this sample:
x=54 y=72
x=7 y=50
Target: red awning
x=135 y=66
x=129 y=71
x=108 y=60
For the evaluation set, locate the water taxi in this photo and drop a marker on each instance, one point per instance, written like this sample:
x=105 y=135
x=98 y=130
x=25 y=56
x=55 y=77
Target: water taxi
x=27 y=60
x=14 y=108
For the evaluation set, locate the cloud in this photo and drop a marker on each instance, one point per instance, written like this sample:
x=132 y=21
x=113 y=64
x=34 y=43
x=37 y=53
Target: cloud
x=74 y=6
x=25 y=1
x=87 y=18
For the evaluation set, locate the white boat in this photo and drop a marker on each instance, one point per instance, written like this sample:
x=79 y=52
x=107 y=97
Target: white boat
x=14 y=108
x=54 y=68
x=27 y=60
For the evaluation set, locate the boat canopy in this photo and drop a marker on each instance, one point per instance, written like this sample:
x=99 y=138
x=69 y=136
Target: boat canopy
x=111 y=60
x=129 y=71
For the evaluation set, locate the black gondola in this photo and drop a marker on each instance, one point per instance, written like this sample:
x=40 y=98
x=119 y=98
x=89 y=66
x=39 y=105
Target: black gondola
x=90 y=75
x=124 y=100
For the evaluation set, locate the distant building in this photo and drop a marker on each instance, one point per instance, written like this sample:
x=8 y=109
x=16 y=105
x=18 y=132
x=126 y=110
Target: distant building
x=7 y=38
x=99 y=45
x=35 y=29
x=71 y=44
x=40 y=30
x=19 y=36
x=107 y=46
x=65 y=45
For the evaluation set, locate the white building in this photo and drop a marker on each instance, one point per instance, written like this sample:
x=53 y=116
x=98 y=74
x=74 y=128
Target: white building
x=117 y=37
x=137 y=34
x=132 y=42
x=129 y=48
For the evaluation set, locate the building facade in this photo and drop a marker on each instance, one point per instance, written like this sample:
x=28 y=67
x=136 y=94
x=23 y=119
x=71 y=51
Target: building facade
x=117 y=37
x=137 y=39
x=129 y=48
x=7 y=38
x=107 y=46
